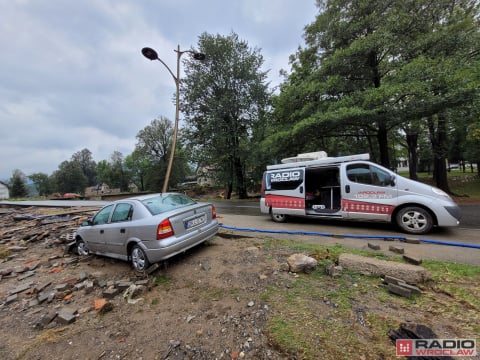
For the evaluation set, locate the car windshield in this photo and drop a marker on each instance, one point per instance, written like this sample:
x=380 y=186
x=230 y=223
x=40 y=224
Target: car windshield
x=166 y=202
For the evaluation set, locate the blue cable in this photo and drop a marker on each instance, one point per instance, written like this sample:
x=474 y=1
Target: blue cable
x=297 y=232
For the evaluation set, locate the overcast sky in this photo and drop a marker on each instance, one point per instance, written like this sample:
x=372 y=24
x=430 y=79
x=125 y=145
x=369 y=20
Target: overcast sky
x=72 y=75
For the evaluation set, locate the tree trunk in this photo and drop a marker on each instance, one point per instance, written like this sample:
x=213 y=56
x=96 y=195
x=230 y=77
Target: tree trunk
x=228 y=191
x=383 y=145
x=241 y=187
x=438 y=139
x=412 y=144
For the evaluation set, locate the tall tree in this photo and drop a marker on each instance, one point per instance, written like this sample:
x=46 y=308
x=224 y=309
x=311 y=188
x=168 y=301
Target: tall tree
x=225 y=98
x=18 y=184
x=119 y=176
x=153 y=151
x=372 y=66
x=137 y=165
x=42 y=183
x=70 y=178
x=87 y=164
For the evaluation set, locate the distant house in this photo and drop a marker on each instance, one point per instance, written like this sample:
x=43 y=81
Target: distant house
x=99 y=189
x=4 y=190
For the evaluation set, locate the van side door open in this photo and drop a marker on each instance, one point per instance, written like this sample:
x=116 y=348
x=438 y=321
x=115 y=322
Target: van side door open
x=368 y=192
x=323 y=191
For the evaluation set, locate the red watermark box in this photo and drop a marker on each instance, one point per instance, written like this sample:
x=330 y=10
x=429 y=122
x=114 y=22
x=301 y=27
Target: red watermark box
x=436 y=347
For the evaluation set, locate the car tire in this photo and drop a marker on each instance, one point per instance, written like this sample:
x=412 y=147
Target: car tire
x=139 y=259
x=279 y=218
x=82 y=248
x=414 y=220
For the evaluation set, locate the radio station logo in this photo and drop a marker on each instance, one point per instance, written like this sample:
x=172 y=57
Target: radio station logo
x=436 y=347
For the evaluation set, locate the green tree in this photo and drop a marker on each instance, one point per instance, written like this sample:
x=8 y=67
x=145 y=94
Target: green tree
x=225 y=99
x=119 y=177
x=473 y=145
x=103 y=170
x=370 y=67
x=42 y=183
x=154 y=144
x=87 y=164
x=18 y=184
x=138 y=166
x=70 y=178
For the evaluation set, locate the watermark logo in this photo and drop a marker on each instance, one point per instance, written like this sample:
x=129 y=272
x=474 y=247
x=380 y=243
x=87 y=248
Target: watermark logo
x=436 y=347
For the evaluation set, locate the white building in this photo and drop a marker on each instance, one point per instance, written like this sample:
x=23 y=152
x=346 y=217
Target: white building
x=4 y=193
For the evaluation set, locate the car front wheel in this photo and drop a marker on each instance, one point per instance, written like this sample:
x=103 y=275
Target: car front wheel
x=82 y=248
x=414 y=220
x=139 y=259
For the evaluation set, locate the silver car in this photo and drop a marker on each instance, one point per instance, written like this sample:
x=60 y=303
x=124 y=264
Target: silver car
x=147 y=229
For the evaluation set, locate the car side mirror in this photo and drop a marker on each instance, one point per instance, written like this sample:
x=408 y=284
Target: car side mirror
x=87 y=223
x=390 y=180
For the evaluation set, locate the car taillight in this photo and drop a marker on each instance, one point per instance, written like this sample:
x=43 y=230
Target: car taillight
x=214 y=212
x=164 y=230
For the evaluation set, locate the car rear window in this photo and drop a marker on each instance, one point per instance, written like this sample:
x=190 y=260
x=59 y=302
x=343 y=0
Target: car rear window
x=166 y=202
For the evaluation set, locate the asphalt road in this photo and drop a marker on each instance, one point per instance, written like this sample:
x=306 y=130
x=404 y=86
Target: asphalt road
x=470 y=213
x=457 y=244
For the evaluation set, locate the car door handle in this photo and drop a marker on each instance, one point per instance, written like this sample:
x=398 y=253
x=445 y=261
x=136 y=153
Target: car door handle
x=101 y=231
x=122 y=231
x=347 y=188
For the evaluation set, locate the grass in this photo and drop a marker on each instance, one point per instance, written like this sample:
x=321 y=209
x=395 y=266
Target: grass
x=320 y=317
x=162 y=280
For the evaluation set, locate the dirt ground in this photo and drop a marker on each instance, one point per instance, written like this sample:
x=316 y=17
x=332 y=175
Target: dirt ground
x=204 y=304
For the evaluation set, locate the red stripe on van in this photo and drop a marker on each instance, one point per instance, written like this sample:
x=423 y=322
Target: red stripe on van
x=365 y=207
x=286 y=202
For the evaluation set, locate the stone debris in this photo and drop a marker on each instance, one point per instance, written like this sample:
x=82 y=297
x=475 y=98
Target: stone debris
x=396 y=249
x=412 y=259
x=301 y=263
x=333 y=270
x=52 y=232
x=411 y=274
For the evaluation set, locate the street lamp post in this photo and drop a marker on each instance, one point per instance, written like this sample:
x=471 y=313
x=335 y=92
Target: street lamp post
x=151 y=54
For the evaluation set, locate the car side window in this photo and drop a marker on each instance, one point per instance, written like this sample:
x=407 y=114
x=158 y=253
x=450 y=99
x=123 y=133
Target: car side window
x=122 y=212
x=367 y=174
x=102 y=215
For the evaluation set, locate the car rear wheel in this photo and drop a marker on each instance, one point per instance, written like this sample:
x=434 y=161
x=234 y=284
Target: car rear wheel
x=414 y=220
x=139 y=259
x=82 y=248
x=279 y=218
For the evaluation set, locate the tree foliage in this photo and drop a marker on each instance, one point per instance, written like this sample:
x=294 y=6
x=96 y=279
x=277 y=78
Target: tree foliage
x=69 y=178
x=42 y=183
x=85 y=160
x=225 y=99
x=370 y=68
x=18 y=184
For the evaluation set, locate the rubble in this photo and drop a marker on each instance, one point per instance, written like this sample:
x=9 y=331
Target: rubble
x=411 y=274
x=53 y=232
x=301 y=263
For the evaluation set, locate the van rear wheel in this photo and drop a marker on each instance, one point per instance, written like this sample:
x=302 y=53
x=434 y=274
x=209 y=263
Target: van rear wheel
x=279 y=218
x=414 y=220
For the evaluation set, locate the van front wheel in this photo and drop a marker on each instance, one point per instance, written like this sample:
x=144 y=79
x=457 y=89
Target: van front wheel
x=414 y=220
x=279 y=218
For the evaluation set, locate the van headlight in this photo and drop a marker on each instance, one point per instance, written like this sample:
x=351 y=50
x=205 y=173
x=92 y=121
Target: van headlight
x=439 y=192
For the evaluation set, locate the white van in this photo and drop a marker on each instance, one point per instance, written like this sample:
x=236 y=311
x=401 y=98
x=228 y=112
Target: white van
x=352 y=188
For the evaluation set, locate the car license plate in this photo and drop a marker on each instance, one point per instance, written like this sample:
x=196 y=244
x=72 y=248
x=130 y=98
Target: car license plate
x=195 y=221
